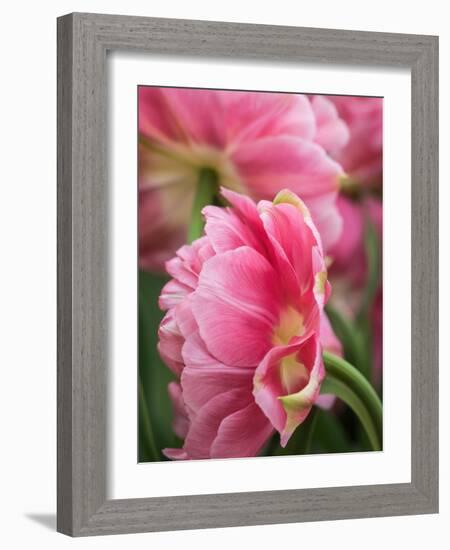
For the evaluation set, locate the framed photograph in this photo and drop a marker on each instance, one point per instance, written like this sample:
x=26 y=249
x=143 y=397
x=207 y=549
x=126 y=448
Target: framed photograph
x=247 y=274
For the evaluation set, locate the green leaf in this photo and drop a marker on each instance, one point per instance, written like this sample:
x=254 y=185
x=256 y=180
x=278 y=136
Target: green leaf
x=301 y=440
x=372 y=246
x=351 y=338
x=206 y=191
x=329 y=434
x=154 y=375
x=349 y=385
x=321 y=433
x=149 y=449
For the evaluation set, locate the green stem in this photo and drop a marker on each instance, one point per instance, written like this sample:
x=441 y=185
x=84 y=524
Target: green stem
x=206 y=190
x=146 y=425
x=308 y=435
x=347 y=383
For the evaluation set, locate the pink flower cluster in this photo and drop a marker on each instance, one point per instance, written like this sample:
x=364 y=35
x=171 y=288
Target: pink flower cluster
x=244 y=327
x=362 y=159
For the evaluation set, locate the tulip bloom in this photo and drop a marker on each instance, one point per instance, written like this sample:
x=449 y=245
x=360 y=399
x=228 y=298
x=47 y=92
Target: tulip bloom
x=362 y=156
x=249 y=140
x=244 y=325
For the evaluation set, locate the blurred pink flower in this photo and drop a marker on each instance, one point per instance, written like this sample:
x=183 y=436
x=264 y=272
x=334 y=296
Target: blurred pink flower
x=348 y=270
x=243 y=326
x=348 y=253
x=376 y=319
x=332 y=133
x=362 y=157
x=257 y=143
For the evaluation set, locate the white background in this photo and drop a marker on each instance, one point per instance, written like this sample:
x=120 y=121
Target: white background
x=28 y=300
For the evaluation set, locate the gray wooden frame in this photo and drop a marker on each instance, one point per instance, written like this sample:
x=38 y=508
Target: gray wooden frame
x=83 y=41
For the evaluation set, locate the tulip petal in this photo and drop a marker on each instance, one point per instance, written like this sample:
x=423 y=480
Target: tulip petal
x=201 y=385
x=362 y=157
x=329 y=342
x=288 y=228
x=205 y=424
x=295 y=240
x=242 y=434
x=180 y=417
x=236 y=306
x=328 y=338
x=226 y=231
x=332 y=132
x=250 y=116
x=287 y=383
x=242 y=225
x=187 y=263
x=294 y=163
x=172 y=294
x=158 y=239
x=298 y=405
x=204 y=377
x=327 y=219
x=181 y=114
x=326 y=401
x=175 y=454
x=185 y=318
x=171 y=342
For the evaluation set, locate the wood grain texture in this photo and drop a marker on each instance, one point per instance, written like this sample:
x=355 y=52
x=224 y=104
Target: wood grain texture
x=83 y=198
x=64 y=266
x=424 y=275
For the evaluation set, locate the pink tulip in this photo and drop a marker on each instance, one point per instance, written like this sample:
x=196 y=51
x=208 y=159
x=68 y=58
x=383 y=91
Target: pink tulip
x=250 y=139
x=243 y=327
x=362 y=157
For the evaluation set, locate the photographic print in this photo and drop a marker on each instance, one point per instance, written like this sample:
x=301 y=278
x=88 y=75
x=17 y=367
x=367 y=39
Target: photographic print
x=255 y=223
x=260 y=273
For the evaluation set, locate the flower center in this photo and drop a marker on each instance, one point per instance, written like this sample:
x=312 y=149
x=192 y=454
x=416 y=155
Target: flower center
x=290 y=325
x=173 y=162
x=293 y=374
